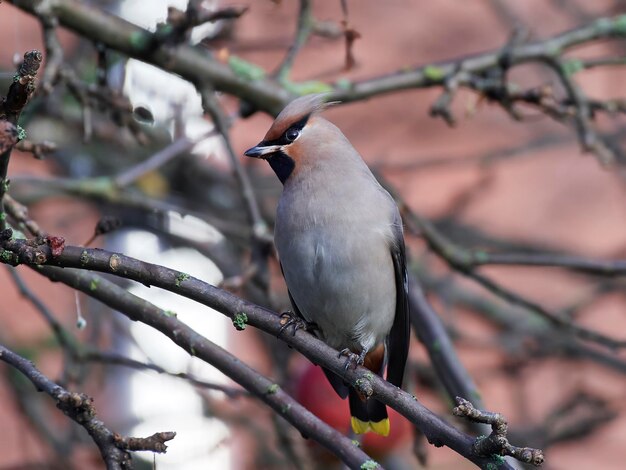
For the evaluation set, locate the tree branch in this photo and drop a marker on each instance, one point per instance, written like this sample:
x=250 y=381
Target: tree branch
x=79 y=407
x=11 y=107
x=191 y=63
x=431 y=332
x=436 y=430
x=194 y=65
x=270 y=393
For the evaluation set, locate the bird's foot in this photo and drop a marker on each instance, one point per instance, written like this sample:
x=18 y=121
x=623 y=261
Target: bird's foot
x=352 y=359
x=291 y=319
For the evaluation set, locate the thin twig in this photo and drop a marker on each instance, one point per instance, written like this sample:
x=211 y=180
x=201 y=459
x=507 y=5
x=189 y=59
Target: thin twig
x=113 y=358
x=66 y=340
x=213 y=108
x=304 y=29
x=497 y=442
x=54 y=51
x=160 y=158
x=609 y=268
x=39 y=149
x=180 y=23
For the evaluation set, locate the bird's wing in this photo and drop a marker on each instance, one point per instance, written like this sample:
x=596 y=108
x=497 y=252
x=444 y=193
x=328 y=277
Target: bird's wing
x=340 y=387
x=398 y=339
x=296 y=310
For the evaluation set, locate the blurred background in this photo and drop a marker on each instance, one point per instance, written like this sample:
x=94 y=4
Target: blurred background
x=489 y=183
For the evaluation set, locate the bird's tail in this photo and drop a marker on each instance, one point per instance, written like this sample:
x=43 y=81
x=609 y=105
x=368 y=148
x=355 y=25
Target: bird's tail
x=367 y=414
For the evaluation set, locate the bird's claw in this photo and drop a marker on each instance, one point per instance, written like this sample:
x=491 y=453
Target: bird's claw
x=352 y=358
x=289 y=318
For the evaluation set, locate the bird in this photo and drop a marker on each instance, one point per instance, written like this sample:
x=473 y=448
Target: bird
x=339 y=238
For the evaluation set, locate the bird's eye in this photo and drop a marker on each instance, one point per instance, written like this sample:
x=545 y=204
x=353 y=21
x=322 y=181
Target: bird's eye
x=292 y=134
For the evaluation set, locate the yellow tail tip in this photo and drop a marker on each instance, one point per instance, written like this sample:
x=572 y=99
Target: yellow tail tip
x=381 y=427
x=361 y=427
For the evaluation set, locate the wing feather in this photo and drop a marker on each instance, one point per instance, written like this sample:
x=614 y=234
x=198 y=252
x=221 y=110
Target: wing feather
x=399 y=336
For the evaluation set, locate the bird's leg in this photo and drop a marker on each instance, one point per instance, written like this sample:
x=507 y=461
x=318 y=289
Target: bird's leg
x=353 y=358
x=294 y=320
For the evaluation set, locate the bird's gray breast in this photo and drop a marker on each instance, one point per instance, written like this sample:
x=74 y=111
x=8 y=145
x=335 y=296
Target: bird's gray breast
x=336 y=259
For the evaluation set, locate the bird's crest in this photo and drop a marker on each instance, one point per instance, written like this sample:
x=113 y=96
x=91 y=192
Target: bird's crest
x=299 y=109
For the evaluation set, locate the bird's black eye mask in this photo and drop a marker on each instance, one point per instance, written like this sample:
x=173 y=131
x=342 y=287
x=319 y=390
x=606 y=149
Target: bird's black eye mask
x=291 y=134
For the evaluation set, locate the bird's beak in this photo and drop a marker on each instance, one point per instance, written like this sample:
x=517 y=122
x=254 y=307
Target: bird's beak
x=262 y=151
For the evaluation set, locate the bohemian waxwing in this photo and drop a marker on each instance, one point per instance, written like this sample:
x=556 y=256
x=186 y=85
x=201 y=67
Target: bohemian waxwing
x=339 y=239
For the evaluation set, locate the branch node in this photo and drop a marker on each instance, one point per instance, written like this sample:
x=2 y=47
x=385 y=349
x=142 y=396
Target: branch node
x=441 y=107
x=154 y=443
x=8 y=136
x=363 y=385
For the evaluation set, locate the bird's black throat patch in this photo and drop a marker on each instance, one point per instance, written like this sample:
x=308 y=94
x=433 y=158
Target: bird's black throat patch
x=282 y=164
